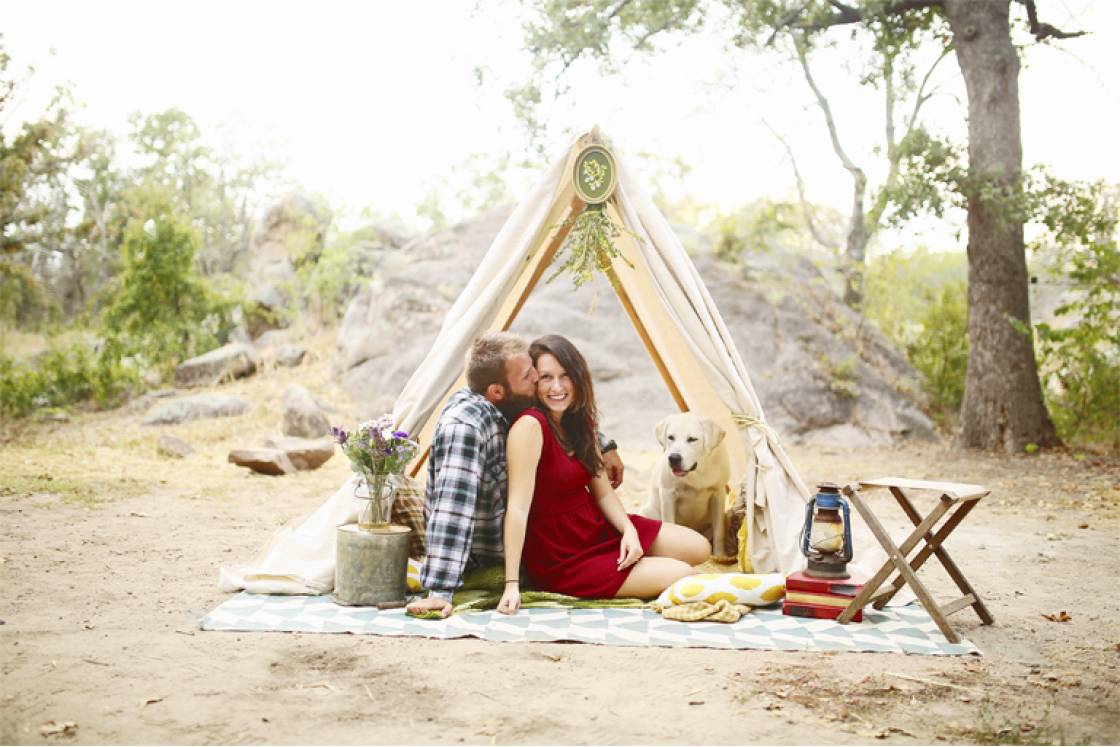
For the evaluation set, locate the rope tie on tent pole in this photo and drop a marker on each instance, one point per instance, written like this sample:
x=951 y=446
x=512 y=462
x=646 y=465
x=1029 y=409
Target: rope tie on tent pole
x=750 y=421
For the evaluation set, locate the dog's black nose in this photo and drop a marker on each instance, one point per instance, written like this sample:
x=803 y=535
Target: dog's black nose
x=675 y=461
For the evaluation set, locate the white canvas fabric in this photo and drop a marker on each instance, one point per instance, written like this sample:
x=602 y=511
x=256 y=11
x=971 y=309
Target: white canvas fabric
x=301 y=560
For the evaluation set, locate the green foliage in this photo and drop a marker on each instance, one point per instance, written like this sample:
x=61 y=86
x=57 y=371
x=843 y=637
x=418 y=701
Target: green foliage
x=590 y=245
x=841 y=375
x=161 y=310
x=346 y=264
x=1079 y=354
x=62 y=376
x=919 y=300
x=761 y=226
x=940 y=352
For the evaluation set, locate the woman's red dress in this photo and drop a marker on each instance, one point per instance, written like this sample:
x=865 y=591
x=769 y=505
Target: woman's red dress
x=570 y=547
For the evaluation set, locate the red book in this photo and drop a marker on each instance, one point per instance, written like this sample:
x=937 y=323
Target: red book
x=839 y=587
x=820 y=611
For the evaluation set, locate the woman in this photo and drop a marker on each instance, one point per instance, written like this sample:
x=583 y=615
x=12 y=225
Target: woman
x=563 y=519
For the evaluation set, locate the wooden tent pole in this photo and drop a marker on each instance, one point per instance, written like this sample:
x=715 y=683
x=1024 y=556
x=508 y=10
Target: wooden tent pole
x=538 y=262
x=643 y=333
x=545 y=260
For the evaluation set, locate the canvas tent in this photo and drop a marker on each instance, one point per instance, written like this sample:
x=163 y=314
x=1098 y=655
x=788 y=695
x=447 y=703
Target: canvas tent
x=673 y=314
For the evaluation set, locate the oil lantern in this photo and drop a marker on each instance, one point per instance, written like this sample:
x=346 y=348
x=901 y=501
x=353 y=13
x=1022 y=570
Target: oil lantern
x=826 y=538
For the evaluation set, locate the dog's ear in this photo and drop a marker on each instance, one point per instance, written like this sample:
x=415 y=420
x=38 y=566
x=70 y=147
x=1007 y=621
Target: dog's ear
x=659 y=430
x=713 y=433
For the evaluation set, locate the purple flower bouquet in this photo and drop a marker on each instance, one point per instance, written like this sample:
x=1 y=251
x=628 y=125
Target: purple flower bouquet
x=379 y=453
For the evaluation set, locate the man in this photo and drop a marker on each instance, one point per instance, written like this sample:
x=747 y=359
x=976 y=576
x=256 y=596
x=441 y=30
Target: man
x=466 y=492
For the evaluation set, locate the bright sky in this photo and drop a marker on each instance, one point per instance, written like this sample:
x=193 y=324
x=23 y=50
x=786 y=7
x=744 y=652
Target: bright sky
x=377 y=103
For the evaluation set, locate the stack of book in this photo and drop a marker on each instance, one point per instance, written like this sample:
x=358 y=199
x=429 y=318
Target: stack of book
x=820 y=597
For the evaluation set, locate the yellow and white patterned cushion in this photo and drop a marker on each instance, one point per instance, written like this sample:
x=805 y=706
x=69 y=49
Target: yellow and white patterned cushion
x=754 y=589
x=412 y=579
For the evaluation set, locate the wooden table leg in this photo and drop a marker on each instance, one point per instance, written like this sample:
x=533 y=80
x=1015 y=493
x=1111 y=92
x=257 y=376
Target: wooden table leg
x=898 y=558
x=934 y=546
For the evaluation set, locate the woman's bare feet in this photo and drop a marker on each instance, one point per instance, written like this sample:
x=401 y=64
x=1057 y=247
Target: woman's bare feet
x=432 y=604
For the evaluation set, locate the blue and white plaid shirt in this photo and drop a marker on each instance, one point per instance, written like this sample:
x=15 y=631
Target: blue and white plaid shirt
x=466 y=494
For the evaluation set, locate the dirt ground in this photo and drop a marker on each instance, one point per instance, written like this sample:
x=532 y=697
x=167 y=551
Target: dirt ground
x=109 y=558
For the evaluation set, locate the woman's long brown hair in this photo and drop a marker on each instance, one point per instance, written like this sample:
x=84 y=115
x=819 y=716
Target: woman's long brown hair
x=581 y=420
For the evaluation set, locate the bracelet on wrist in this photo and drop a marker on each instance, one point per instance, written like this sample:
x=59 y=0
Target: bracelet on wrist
x=513 y=581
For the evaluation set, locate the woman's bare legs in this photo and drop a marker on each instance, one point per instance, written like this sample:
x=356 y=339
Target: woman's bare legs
x=681 y=543
x=671 y=557
x=651 y=576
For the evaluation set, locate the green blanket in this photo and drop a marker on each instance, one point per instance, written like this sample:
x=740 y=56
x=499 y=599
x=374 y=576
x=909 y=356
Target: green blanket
x=482 y=590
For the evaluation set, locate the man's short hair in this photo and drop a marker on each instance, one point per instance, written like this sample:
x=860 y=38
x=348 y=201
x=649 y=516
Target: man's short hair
x=486 y=362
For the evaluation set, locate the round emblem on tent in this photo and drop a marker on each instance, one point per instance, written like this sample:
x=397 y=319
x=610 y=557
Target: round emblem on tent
x=595 y=176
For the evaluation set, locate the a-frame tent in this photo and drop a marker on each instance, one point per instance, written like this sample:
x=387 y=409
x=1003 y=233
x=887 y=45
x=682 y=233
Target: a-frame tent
x=673 y=314
x=676 y=319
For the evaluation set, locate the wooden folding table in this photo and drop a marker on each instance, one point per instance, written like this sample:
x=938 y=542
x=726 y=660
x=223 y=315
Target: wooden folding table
x=954 y=504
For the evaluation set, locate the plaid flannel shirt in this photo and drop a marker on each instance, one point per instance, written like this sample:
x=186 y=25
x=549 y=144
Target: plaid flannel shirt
x=466 y=492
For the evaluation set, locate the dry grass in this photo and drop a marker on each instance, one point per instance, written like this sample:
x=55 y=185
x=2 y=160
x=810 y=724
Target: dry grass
x=103 y=456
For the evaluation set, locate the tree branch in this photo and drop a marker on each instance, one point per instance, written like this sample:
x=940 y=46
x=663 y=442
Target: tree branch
x=822 y=102
x=888 y=86
x=922 y=97
x=1045 y=30
x=847 y=14
x=618 y=9
x=806 y=208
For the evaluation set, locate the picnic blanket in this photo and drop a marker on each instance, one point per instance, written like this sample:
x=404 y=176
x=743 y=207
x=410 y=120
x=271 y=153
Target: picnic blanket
x=898 y=629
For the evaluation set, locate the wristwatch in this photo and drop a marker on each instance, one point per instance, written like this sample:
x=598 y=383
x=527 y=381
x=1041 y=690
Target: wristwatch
x=608 y=446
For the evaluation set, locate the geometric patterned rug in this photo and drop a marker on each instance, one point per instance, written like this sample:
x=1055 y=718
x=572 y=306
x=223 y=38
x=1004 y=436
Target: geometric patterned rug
x=907 y=629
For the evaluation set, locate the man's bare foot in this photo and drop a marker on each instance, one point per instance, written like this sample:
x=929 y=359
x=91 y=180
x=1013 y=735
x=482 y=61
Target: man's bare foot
x=432 y=604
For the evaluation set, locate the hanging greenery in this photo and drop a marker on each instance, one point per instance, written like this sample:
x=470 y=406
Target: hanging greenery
x=590 y=245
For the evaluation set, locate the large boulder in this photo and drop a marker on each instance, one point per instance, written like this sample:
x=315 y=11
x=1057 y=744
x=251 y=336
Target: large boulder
x=233 y=361
x=194 y=408
x=304 y=453
x=264 y=461
x=290 y=234
x=822 y=373
x=303 y=416
x=173 y=446
x=290 y=356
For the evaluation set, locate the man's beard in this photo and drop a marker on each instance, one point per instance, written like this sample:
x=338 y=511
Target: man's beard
x=514 y=403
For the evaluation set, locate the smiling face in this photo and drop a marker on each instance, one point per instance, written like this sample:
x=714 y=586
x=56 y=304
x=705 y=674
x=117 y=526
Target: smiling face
x=555 y=389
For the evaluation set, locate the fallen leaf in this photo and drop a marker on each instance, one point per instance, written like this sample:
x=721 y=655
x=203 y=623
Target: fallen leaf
x=555 y=657
x=1061 y=617
x=1082 y=526
x=696 y=702
x=149 y=701
x=51 y=728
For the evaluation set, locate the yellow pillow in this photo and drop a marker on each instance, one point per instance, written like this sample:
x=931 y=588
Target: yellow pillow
x=755 y=589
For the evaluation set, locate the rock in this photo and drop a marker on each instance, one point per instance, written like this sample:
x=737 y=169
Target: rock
x=265 y=461
x=290 y=234
x=173 y=446
x=195 y=408
x=235 y=360
x=304 y=453
x=820 y=371
x=270 y=339
x=303 y=417
x=290 y=356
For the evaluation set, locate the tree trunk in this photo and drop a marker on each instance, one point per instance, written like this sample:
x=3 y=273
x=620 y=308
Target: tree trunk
x=1003 y=405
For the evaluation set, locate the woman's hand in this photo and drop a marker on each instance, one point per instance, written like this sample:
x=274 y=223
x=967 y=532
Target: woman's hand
x=511 y=600
x=630 y=549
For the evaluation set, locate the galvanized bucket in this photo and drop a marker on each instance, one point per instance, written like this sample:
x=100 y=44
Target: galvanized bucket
x=371 y=566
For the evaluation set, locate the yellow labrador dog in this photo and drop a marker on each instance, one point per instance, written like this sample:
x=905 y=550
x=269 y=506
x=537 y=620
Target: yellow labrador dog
x=690 y=481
